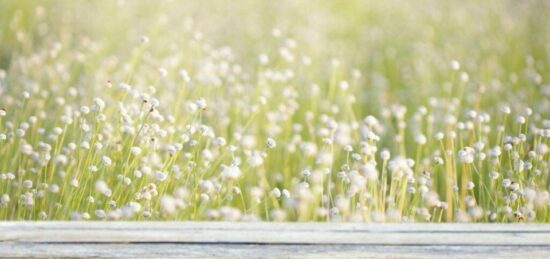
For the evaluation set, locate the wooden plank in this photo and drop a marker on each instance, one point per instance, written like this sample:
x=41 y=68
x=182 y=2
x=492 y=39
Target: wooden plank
x=276 y=237
x=232 y=239
x=262 y=251
x=311 y=233
x=309 y=226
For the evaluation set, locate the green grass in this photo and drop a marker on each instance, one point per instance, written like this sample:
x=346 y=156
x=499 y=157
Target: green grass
x=406 y=111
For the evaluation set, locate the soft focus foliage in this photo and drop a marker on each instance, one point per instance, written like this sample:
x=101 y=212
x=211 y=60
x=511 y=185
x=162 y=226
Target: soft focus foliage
x=395 y=111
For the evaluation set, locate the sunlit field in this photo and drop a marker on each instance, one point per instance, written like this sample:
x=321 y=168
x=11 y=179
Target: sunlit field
x=289 y=110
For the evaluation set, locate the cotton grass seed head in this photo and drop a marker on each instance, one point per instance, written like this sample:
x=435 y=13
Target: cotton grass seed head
x=4 y=199
x=230 y=172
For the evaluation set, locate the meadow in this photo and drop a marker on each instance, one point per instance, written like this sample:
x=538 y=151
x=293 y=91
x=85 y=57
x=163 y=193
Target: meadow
x=289 y=110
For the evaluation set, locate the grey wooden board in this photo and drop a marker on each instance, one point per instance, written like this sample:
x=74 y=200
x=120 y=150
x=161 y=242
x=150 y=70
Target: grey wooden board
x=274 y=240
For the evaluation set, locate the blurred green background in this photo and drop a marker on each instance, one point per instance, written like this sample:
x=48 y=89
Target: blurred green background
x=406 y=45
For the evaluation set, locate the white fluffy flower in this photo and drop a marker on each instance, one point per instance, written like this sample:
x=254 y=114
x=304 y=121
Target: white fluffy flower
x=466 y=155
x=168 y=205
x=135 y=151
x=230 y=172
x=99 y=104
x=255 y=160
x=106 y=160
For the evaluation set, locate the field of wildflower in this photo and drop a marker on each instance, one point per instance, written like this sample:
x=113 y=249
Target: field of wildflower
x=288 y=110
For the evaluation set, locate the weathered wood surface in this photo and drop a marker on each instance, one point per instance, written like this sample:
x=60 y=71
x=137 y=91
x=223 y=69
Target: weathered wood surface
x=275 y=240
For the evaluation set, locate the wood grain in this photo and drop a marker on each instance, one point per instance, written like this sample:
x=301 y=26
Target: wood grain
x=280 y=240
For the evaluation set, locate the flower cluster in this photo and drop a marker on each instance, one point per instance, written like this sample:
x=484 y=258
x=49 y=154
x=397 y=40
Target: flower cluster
x=390 y=124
